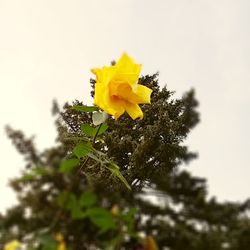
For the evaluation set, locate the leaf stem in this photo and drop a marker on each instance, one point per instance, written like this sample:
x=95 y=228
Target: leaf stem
x=93 y=143
x=96 y=134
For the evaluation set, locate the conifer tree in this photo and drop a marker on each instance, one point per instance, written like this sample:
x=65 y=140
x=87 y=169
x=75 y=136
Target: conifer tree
x=92 y=208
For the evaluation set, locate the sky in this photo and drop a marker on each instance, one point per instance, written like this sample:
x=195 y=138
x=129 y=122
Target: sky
x=47 y=48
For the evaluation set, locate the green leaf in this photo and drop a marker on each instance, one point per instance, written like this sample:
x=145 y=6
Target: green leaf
x=95 y=158
x=114 y=169
x=101 y=217
x=34 y=173
x=129 y=218
x=71 y=201
x=85 y=108
x=68 y=165
x=103 y=128
x=40 y=171
x=112 y=244
x=88 y=130
x=131 y=213
x=82 y=149
x=47 y=242
x=91 y=131
x=27 y=177
x=74 y=207
x=77 y=213
x=63 y=198
x=88 y=199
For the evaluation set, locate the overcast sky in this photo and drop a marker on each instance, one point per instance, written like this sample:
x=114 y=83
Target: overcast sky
x=47 y=48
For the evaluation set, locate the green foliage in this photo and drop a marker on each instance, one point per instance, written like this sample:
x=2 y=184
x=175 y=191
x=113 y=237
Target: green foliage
x=68 y=165
x=91 y=131
x=35 y=173
x=47 y=242
x=80 y=186
x=101 y=217
x=84 y=108
x=87 y=129
x=88 y=199
x=114 y=169
x=102 y=129
x=82 y=149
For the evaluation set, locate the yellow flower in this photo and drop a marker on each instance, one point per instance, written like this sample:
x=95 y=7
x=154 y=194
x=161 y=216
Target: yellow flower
x=61 y=246
x=12 y=245
x=115 y=210
x=59 y=238
x=117 y=90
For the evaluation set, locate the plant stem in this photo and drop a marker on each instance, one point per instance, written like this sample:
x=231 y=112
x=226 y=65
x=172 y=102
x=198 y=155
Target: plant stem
x=93 y=143
x=96 y=134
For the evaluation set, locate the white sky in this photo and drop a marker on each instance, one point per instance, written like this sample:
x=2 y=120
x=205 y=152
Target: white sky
x=47 y=48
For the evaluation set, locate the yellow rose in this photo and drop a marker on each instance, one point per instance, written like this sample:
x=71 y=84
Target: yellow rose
x=117 y=90
x=13 y=245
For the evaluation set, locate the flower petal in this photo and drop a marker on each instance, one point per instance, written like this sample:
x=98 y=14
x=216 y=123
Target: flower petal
x=125 y=92
x=117 y=106
x=133 y=110
x=143 y=94
x=111 y=105
x=127 y=70
x=130 y=78
x=98 y=74
x=104 y=75
x=127 y=65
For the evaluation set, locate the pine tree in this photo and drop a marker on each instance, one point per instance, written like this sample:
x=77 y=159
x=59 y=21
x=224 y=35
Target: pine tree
x=165 y=202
